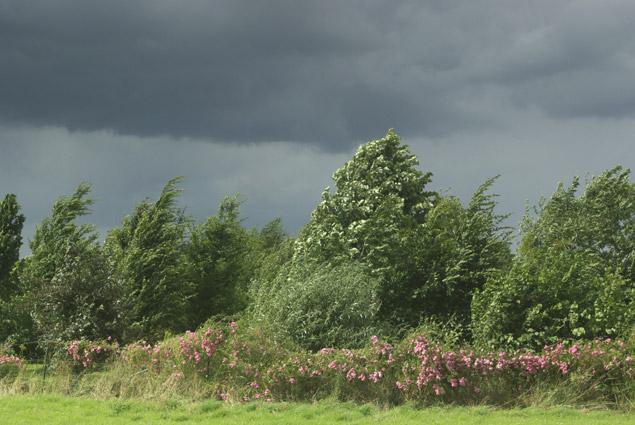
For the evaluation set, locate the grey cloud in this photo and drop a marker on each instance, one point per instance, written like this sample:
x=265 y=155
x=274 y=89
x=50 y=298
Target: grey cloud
x=326 y=73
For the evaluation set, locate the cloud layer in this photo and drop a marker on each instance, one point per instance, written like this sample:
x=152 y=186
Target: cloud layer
x=327 y=73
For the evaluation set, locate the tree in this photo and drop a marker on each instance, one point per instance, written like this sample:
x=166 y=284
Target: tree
x=146 y=256
x=380 y=197
x=573 y=274
x=451 y=256
x=11 y=223
x=217 y=256
x=274 y=250
x=64 y=281
x=429 y=252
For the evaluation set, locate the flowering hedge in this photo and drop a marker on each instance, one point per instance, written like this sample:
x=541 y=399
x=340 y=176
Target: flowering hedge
x=88 y=354
x=249 y=367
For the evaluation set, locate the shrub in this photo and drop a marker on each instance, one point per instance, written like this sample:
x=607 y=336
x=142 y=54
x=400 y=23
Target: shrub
x=9 y=365
x=320 y=306
x=85 y=354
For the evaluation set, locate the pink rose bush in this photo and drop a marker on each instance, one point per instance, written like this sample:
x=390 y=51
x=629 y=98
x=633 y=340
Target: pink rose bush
x=249 y=366
x=88 y=354
x=9 y=365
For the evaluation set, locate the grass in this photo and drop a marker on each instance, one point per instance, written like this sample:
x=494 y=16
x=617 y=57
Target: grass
x=54 y=409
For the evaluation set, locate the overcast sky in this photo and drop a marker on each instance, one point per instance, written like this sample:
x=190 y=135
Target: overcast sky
x=269 y=98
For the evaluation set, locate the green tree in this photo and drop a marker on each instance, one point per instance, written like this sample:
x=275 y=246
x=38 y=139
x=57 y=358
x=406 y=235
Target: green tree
x=573 y=274
x=274 y=250
x=147 y=256
x=64 y=281
x=429 y=252
x=452 y=255
x=11 y=223
x=379 y=198
x=218 y=255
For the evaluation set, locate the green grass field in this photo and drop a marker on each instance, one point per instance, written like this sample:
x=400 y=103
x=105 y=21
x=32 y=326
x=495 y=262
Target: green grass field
x=51 y=410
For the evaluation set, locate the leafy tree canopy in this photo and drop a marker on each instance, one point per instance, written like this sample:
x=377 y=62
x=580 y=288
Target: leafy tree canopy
x=11 y=223
x=573 y=275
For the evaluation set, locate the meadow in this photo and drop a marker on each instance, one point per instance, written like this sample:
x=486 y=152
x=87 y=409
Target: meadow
x=54 y=409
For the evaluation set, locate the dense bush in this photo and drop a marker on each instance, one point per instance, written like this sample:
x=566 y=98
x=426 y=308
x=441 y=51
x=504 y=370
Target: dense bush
x=9 y=365
x=318 y=306
x=573 y=274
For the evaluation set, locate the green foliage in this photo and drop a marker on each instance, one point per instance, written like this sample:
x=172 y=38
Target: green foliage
x=11 y=223
x=320 y=306
x=65 y=283
x=217 y=257
x=274 y=250
x=429 y=252
x=452 y=254
x=379 y=198
x=146 y=255
x=573 y=275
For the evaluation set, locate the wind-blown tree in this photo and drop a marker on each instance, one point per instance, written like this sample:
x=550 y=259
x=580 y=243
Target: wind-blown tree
x=146 y=255
x=65 y=280
x=11 y=223
x=274 y=249
x=573 y=274
x=429 y=252
x=451 y=256
x=379 y=198
x=217 y=257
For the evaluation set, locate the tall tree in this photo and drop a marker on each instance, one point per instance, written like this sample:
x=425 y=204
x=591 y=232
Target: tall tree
x=146 y=255
x=379 y=198
x=11 y=223
x=429 y=252
x=65 y=282
x=217 y=255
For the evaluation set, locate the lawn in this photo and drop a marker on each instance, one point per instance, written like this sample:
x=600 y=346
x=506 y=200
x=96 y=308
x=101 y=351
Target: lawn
x=51 y=410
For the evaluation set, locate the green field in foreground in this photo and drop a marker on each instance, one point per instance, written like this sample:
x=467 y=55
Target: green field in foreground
x=50 y=410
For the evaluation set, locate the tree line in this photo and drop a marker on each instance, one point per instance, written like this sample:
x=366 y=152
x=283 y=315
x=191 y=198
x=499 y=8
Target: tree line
x=380 y=255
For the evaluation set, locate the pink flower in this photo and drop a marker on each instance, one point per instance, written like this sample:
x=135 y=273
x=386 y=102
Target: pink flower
x=564 y=367
x=438 y=390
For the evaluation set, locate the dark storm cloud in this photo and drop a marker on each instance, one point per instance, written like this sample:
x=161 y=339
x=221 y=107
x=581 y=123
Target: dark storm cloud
x=330 y=73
